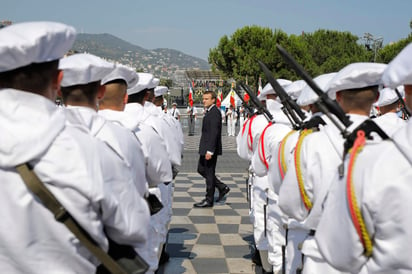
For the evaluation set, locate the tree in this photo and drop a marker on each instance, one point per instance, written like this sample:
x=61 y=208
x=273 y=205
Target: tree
x=320 y=52
x=237 y=56
x=332 y=50
x=387 y=53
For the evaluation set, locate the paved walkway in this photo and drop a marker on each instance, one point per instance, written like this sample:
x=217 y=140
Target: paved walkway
x=210 y=240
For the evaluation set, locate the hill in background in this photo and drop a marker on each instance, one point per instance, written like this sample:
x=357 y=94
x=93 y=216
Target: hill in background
x=161 y=62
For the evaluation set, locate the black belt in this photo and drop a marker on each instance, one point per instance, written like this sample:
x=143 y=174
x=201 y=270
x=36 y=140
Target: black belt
x=312 y=232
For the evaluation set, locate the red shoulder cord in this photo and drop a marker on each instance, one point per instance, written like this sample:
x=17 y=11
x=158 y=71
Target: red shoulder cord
x=244 y=125
x=262 y=154
x=250 y=137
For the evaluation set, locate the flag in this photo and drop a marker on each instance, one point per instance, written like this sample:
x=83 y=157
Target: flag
x=232 y=98
x=190 y=96
x=219 y=98
x=232 y=95
x=246 y=97
x=260 y=86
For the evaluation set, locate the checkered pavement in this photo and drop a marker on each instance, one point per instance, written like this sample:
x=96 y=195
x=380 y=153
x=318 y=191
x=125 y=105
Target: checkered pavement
x=209 y=240
x=192 y=143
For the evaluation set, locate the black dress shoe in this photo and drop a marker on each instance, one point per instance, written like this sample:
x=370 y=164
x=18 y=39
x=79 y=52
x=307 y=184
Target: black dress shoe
x=256 y=258
x=164 y=258
x=223 y=193
x=203 y=203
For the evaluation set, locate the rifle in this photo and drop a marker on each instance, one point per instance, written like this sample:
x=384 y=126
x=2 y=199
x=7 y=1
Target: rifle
x=261 y=109
x=324 y=103
x=289 y=108
x=249 y=108
x=327 y=106
x=405 y=111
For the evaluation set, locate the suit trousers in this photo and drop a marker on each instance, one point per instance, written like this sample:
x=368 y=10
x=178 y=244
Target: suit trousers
x=207 y=168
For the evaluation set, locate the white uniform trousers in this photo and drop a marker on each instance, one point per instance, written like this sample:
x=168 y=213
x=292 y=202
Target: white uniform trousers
x=275 y=231
x=164 y=213
x=250 y=195
x=314 y=262
x=296 y=236
x=260 y=200
x=151 y=249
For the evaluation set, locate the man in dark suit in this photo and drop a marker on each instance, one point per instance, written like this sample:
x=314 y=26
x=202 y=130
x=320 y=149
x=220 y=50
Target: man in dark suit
x=210 y=147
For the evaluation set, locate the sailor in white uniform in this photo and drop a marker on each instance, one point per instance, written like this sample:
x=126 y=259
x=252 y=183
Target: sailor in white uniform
x=81 y=90
x=390 y=110
x=65 y=158
x=279 y=164
x=271 y=135
x=156 y=157
x=318 y=155
x=247 y=143
x=366 y=225
x=159 y=93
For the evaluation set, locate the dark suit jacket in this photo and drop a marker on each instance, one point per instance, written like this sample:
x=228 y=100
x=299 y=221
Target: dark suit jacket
x=211 y=139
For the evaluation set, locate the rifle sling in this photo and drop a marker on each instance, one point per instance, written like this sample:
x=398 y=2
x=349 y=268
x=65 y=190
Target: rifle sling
x=36 y=186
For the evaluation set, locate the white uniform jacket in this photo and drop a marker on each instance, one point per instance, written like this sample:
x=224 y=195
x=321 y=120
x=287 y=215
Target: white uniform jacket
x=116 y=170
x=248 y=137
x=65 y=159
x=390 y=123
x=158 y=166
x=320 y=155
x=166 y=132
x=268 y=141
x=125 y=143
x=381 y=182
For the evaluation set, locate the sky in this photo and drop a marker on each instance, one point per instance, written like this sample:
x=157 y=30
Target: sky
x=194 y=26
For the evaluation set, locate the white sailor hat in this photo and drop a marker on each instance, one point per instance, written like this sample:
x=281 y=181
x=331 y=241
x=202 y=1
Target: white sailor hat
x=295 y=88
x=399 y=70
x=83 y=68
x=154 y=83
x=160 y=90
x=308 y=96
x=22 y=44
x=265 y=91
x=356 y=76
x=268 y=89
x=388 y=96
x=145 y=80
x=122 y=72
